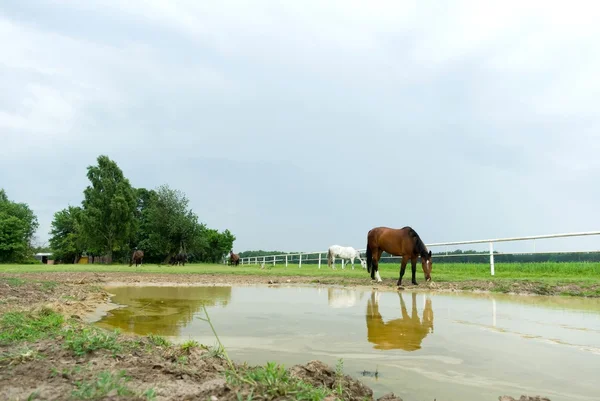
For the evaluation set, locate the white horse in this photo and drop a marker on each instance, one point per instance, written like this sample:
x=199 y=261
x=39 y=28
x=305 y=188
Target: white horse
x=344 y=253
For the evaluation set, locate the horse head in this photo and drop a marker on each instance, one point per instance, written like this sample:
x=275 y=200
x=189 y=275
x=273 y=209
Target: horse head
x=427 y=264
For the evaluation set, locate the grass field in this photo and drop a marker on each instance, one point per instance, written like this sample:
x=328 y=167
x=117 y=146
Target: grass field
x=550 y=273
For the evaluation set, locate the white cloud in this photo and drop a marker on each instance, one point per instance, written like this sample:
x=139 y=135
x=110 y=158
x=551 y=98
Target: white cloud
x=390 y=96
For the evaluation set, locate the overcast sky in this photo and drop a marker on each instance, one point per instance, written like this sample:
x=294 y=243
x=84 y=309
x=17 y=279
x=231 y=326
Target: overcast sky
x=302 y=124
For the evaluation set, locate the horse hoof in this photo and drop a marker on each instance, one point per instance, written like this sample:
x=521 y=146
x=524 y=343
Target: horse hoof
x=400 y=288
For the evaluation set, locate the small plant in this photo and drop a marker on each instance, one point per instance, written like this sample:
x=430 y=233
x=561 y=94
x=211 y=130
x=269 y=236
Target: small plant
x=339 y=376
x=104 y=384
x=159 y=341
x=14 y=281
x=150 y=394
x=90 y=339
x=275 y=381
x=189 y=345
x=207 y=319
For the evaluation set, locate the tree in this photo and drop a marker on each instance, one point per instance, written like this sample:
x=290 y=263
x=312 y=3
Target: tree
x=109 y=205
x=67 y=241
x=167 y=225
x=216 y=245
x=17 y=226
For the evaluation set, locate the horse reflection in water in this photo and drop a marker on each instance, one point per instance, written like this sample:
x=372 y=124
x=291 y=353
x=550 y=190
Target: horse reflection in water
x=342 y=298
x=404 y=333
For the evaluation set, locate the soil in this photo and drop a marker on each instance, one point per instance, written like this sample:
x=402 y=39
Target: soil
x=46 y=370
x=166 y=279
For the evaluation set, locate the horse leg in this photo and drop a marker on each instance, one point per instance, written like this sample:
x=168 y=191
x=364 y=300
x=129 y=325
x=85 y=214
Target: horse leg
x=413 y=266
x=374 y=263
x=402 y=270
x=352 y=263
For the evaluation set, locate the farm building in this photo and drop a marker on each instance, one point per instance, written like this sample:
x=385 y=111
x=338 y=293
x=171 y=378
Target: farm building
x=44 y=257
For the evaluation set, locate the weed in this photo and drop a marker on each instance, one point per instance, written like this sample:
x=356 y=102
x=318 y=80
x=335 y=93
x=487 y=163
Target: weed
x=224 y=351
x=150 y=394
x=274 y=381
x=159 y=341
x=104 y=384
x=23 y=355
x=14 y=281
x=33 y=396
x=339 y=376
x=89 y=339
x=189 y=345
x=49 y=285
x=22 y=326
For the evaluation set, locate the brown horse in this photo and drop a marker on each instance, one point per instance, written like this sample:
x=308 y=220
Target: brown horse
x=403 y=242
x=406 y=333
x=137 y=256
x=234 y=259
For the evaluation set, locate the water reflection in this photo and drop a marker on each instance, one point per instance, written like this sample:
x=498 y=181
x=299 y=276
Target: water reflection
x=161 y=310
x=404 y=333
x=342 y=297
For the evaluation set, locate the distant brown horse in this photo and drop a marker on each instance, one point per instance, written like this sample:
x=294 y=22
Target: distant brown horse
x=403 y=242
x=234 y=259
x=137 y=256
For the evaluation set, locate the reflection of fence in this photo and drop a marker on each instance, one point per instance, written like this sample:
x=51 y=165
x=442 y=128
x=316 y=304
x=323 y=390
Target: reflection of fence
x=320 y=257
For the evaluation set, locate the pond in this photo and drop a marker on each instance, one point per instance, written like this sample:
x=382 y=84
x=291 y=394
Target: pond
x=423 y=346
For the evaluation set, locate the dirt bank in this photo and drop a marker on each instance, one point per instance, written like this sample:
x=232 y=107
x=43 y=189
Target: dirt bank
x=49 y=352
x=132 y=278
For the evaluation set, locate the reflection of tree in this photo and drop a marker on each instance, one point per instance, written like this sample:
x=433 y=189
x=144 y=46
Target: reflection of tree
x=161 y=310
x=404 y=333
x=341 y=297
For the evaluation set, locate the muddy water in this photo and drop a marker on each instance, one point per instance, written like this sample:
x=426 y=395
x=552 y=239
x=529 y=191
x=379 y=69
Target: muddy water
x=422 y=346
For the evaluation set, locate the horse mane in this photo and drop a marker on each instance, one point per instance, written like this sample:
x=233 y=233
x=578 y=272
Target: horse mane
x=419 y=244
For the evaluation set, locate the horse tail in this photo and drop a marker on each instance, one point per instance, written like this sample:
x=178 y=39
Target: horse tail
x=369 y=258
x=329 y=257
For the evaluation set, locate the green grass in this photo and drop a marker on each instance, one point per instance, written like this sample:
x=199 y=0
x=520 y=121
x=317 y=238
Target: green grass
x=273 y=381
x=104 y=384
x=21 y=326
x=442 y=272
x=89 y=339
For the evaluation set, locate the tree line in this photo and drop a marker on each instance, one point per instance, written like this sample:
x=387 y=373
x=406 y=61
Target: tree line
x=114 y=219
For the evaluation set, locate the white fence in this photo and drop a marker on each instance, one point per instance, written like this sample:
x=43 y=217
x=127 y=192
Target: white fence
x=320 y=256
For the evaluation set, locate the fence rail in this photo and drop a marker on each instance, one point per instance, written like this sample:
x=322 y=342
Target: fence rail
x=319 y=256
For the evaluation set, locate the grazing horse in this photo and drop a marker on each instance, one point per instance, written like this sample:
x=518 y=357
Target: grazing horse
x=180 y=258
x=344 y=253
x=234 y=259
x=403 y=242
x=137 y=256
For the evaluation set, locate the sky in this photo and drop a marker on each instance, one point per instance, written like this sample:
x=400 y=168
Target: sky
x=298 y=125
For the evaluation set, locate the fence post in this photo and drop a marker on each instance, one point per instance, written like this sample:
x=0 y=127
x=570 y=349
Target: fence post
x=492 y=258
x=256 y=260
x=274 y=257
x=264 y=259
x=286 y=262
x=319 y=260
x=300 y=263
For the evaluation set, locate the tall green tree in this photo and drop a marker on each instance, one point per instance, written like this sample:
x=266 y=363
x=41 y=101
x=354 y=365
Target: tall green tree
x=216 y=245
x=167 y=225
x=17 y=227
x=67 y=241
x=109 y=205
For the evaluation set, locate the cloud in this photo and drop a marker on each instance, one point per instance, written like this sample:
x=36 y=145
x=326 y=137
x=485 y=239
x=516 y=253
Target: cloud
x=475 y=120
